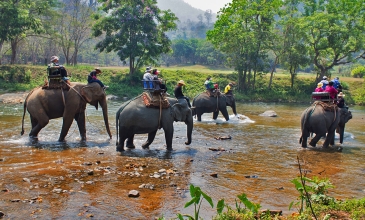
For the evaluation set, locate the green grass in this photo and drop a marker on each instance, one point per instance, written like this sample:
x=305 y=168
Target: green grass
x=25 y=77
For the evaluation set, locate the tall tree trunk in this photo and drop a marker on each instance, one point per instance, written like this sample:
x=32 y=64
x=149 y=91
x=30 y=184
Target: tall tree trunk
x=1 y=46
x=14 y=45
x=272 y=71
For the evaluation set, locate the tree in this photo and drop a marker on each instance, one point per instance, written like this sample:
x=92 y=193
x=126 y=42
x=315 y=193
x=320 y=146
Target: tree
x=18 y=17
x=293 y=53
x=74 y=27
x=333 y=31
x=135 y=29
x=241 y=31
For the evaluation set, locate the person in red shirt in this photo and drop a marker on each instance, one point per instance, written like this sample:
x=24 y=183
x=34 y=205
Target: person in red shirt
x=331 y=90
x=318 y=89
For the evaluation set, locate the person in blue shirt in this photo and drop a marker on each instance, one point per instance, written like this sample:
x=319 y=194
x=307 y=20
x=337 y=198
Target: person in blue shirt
x=324 y=82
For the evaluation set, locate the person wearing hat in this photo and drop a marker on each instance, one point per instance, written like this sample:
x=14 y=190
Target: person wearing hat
x=92 y=77
x=148 y=79
x=228 y=89
x=318 y=89
x=340 y=100
x=178 y=92
x=55 y=69
x=324 y=82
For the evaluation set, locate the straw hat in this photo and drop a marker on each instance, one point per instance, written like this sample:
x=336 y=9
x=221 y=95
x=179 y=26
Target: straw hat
x=181 y=82
x=341 y=94
x=319 y=85
x=98 y=69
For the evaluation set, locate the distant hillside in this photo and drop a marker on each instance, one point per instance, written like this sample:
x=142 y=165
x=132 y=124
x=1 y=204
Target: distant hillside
x=182 y=10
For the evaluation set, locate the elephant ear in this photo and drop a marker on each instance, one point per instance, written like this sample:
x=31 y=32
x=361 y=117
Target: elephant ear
x=88 y=93
x=177 y=112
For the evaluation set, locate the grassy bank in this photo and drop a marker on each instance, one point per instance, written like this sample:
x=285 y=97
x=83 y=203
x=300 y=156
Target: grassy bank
x=121 y=84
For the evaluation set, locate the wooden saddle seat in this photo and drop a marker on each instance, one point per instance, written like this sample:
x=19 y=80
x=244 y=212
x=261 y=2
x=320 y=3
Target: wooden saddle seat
x=155 y=100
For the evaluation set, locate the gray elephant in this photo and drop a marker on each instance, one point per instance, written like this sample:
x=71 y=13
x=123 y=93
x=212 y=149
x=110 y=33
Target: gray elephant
x=134 y=117
x=203 y=103
x=321 y=118
x=46 y=104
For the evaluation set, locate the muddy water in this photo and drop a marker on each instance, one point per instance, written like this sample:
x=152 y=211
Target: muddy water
x=76 y=180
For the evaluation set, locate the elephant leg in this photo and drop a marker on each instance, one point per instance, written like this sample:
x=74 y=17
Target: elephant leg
x=37 y=125
x=199 y=116
x=122 y=138
x=67 y=121
x=129 y=143
x=330 y=139
x=225 y=113
x=341 y=131
x=151 y=137
x=215 y=115
x=33 y=121
x=80 y=119
x=169 y=133
x=314 y=140
x=303 y=139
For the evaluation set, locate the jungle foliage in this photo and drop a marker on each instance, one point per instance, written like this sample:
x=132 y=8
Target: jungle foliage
x=26 y=77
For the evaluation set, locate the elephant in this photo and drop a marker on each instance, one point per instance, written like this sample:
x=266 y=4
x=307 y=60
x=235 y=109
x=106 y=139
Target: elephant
x=203 y=103
x=320 y=120
x=45 y=104
x=134 y=117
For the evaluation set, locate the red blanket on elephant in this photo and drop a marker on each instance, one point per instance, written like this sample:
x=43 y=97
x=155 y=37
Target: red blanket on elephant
x=155 y=100
x=327 y=106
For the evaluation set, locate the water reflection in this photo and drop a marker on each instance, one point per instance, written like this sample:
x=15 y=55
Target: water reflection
x=262 y=147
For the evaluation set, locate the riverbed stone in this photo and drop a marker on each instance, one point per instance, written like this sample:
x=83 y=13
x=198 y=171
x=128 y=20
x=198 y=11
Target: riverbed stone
x=133 y=193
x=269 y=113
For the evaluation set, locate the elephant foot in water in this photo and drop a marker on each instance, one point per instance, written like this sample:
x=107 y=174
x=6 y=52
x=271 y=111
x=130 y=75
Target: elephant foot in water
x=130 y=146
x=146 y=145
x=120 y=148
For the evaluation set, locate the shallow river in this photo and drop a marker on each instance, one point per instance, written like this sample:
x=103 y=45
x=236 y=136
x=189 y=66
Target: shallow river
x=74 y=180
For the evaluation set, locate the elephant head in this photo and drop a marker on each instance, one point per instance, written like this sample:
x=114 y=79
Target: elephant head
x=182 y=112
x=345 y=116
x=95 y=95
x=230 y=101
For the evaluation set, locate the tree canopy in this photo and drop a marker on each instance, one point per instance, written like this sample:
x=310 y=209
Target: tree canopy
x=135 y=29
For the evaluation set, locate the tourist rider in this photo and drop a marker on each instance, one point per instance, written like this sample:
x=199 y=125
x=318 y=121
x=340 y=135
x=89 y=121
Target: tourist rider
x=178 y=92
x=209 y=84
x=332 y=91
x=56 y=69
x=324 y=82
x=318 y=89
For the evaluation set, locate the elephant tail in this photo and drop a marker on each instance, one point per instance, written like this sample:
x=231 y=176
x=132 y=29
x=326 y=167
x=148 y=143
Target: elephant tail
x=24 y=110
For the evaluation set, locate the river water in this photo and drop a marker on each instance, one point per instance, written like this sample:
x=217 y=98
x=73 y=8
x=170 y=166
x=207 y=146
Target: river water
x=76 y=180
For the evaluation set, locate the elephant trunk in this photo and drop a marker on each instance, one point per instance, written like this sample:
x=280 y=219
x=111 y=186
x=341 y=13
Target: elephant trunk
x=189 y=123
x=105 y=115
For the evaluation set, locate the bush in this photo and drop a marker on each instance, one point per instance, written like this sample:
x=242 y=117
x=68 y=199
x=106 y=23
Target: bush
x=358 y=72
